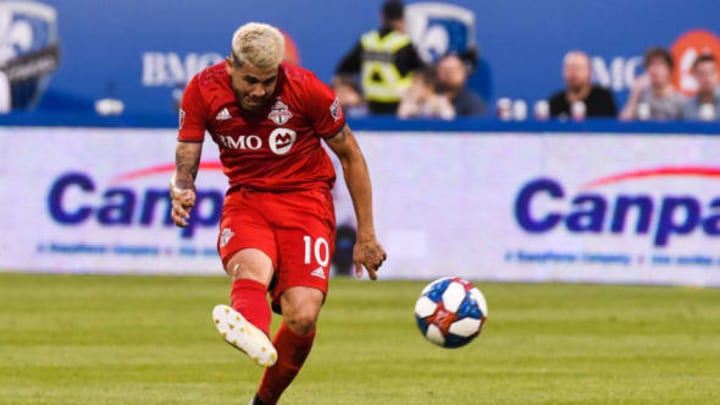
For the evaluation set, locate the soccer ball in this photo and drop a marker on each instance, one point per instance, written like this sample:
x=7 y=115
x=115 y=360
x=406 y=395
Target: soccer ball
x=451 y=312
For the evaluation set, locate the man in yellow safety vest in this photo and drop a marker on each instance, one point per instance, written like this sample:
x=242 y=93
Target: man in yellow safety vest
x=385 y=59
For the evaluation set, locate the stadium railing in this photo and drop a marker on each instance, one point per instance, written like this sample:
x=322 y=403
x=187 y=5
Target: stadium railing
x=386 y=124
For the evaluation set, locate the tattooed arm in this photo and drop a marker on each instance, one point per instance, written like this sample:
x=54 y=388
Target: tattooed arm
x=182 y=184
x=368 y=252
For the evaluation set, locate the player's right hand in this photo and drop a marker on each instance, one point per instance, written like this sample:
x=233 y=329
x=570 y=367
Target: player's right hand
x=182 y=202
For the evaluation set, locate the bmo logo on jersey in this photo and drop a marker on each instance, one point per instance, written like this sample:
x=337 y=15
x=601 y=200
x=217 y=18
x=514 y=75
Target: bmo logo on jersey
x=252 y=142
x=281 y=140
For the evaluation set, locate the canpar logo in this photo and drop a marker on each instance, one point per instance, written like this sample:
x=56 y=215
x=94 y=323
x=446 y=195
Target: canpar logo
x=76 y=198
x=593 y=212
x=685 y=50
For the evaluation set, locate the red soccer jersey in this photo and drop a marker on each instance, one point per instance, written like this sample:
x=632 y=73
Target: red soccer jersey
x=276 y=148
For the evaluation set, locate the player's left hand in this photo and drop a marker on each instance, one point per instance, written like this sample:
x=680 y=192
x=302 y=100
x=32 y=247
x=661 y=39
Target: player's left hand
x=370 y=254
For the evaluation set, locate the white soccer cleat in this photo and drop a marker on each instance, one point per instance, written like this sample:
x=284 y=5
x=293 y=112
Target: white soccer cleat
x=244 y=336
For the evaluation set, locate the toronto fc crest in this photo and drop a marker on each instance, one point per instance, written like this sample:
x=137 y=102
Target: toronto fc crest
x=225 y=237
x=280 y=113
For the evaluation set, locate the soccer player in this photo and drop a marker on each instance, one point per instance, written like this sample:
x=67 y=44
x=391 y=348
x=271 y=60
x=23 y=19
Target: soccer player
x=277 y=227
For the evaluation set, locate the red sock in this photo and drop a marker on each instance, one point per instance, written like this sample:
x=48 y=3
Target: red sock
x=292 y=352
x=249 y=298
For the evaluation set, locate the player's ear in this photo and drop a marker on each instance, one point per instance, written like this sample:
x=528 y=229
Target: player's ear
x=229 y=65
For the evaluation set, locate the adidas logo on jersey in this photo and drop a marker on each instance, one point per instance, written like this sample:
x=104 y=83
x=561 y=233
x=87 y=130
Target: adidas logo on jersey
x=223 y=115
x=319 y=273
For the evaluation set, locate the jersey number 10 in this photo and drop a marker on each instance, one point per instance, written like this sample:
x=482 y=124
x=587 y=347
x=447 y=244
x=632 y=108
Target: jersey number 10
x=320 y=249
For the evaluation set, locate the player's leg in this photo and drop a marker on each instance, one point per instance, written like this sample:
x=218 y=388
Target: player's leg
x=306 y=244
x=251 y=271
x=246 y=324
x=293 y=341
x=247 y=247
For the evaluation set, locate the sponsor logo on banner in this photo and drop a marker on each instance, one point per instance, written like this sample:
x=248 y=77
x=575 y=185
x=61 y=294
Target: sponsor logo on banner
x=77 y=199
x=437 y=29
x=545 y=205
x=170 y=68
x=29 y=52
x=617 y=73
x=685 y=50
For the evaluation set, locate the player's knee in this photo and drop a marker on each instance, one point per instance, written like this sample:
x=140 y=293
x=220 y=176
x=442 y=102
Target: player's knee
x=241 y=269
x=251 y=264
x=302 y=320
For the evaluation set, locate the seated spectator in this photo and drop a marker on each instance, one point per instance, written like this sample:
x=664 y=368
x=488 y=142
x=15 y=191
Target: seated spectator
x=708 y=96
x=599 y=102
x=452 y=75
x=654 y=90
x=421 y=100
x=349 y=97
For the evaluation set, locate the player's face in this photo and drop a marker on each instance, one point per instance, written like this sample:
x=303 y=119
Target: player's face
x=253 y=87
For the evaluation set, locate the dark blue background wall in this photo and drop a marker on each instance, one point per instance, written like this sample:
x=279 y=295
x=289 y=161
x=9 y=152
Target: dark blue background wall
x=521 y=41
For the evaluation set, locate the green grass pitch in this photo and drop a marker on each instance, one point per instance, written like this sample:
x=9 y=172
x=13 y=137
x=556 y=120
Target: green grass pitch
x=150 y=340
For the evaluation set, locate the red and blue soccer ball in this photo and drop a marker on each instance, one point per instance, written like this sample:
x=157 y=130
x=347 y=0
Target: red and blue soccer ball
x=451 y=312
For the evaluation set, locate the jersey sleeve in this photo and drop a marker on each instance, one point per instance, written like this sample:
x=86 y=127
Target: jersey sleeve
x=324 y=109
x=192 y=114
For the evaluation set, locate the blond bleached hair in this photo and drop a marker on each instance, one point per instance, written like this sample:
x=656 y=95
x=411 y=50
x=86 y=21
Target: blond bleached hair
x=260 y=45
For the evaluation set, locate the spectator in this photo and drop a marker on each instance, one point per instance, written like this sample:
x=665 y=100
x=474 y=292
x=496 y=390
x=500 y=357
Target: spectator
x=653 y=95
x=599 y=102
x=349 y=97
x=385 y=59
x=705 y=71
x=421 y=100
x=452 y=74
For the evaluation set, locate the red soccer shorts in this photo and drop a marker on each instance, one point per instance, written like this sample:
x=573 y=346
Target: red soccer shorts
x=295 y=229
